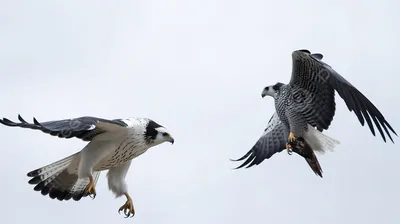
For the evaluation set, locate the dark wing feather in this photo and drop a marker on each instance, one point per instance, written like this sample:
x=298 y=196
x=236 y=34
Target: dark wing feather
x=273 y=140
x=83 y=127
x=63 y=185
x=315 y=99
x=309 y=71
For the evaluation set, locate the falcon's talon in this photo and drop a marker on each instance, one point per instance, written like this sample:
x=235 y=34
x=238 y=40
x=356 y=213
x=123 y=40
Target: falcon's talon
x=92 y=195
x=90 y=190
x=128 y=209
x=291 y=137
x=289 y=149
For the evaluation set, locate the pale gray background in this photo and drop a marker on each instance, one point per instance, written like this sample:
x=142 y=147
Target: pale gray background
x=198 y=67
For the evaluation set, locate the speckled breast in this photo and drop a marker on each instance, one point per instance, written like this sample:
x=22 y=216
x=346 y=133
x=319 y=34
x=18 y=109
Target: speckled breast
x=127 y=150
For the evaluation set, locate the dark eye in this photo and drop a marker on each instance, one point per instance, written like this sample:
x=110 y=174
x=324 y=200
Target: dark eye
x=266 y=88
x=164 y=134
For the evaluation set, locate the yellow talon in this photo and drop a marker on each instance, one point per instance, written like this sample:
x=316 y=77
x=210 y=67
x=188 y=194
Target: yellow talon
x=291 y=138
x=289 y=149
x=127 y=208
x=90 y=190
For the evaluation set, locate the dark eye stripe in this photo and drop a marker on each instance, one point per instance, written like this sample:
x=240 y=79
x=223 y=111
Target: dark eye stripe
x=164 y=134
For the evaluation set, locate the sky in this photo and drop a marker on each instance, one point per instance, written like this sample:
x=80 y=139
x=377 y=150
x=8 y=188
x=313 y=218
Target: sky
x=198 y=68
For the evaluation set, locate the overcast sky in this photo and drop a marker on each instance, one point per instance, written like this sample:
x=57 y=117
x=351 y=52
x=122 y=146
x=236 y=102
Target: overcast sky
x=198 y=68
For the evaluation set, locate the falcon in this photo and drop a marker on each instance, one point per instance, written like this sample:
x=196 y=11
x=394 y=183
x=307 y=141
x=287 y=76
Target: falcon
x=112 y=144
x=305 y=107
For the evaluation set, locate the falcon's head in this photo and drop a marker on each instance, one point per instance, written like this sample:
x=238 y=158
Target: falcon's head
x=271 y=90
x=156 y=134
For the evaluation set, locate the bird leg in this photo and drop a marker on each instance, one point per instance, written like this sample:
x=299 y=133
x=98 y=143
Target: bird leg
x=289 y=148
x=291 y=137
x=127 y=207
x=90 y=190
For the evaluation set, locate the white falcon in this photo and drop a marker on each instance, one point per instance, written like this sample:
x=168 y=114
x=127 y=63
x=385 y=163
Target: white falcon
x=112 y=145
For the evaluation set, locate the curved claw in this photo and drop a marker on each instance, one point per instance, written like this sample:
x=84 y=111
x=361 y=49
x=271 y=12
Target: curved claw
x=90 y=190
x=289 y=149
x=127 y=208
x=92 y=195
x=128 y=211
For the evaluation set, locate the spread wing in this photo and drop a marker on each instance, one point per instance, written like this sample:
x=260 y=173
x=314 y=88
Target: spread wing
x=314 y=82
x=273 y=140
x=85 y=128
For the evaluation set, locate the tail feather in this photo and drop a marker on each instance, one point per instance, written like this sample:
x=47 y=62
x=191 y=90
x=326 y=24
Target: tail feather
x=318 y=141
x=50 y=169
x=60 y=180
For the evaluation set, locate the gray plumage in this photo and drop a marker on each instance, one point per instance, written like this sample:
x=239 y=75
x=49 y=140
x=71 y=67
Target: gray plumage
x=83 y=127
x=306 y=106
x=112 y=145
x=310 y=96
x=272 y=140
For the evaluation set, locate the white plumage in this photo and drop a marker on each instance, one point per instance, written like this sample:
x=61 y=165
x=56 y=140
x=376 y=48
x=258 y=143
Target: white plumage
x=318 y=141
x=112 y=146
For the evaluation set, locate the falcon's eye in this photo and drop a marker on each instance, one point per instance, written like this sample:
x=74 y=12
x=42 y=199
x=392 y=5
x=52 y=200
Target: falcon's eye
x=164 y=134
x=266 y=88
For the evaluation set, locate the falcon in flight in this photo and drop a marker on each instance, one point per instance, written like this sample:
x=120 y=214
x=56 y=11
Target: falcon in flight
x=305 y=107
x=112 y=146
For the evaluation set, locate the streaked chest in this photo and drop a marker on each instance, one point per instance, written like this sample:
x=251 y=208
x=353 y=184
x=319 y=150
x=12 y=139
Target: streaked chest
x=129 y=148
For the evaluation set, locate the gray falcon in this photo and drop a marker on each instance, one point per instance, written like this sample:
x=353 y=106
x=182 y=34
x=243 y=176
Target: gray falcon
x=112 y=145
x=305 y=107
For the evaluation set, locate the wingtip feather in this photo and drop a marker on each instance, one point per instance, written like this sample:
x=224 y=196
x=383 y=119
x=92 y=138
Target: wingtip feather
x=21 y=119
x=36 y=122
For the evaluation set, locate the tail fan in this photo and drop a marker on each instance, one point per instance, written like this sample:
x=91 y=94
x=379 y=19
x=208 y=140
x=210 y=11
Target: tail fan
x=318 y=141
x=60 y=180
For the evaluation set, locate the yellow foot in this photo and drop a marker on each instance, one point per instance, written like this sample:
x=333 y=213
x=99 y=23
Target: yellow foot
x=291 y=137
x=289 y=149
x=90 y=190
x=127 y=207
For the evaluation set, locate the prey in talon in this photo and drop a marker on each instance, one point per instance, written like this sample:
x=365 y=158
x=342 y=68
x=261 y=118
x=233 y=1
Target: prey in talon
x=301 y=147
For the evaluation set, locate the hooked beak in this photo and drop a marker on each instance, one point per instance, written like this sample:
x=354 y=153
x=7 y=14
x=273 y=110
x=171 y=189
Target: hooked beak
x=171 y=140
x=263 y=94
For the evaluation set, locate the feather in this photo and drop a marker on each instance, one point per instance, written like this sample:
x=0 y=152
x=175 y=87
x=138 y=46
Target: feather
x=272 y=140
x=318 y=81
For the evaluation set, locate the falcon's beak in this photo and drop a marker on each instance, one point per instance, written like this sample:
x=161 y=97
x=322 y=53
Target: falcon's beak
x=171 y=140
x=263 y=94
